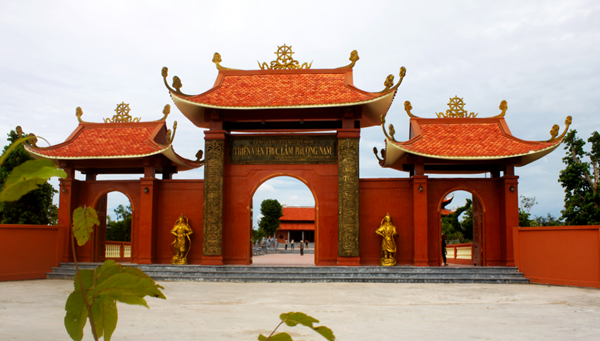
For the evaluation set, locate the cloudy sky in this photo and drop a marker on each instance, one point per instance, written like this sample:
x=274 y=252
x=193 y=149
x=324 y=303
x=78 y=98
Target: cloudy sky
x=541 y=57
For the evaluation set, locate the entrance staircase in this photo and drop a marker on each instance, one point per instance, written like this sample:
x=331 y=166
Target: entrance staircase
x=289 y=274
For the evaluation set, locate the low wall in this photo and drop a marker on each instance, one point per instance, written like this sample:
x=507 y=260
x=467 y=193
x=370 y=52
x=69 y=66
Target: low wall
x=29 y=251
x=560 y=255
x=460 y=253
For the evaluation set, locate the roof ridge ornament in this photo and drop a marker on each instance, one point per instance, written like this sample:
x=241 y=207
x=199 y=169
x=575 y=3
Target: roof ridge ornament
x=456 y=110
x=284 y=60
x=217 y=60
x=166 y=111
x=353 y=58
x=170 y=137
x=122 y=115
x=555 y=129
x=176 y=82
x=79 y=113
x=389 y=81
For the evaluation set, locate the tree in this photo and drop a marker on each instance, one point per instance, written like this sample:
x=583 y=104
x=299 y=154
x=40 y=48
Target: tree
x=548 y=220
x=35 y=207
x=525 y=209
x=119 y=230
x=271 y=210
x=461 y=230
x=580 y=180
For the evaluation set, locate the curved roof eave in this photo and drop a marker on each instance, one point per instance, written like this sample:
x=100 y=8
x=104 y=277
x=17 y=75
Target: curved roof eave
x=395 y=152
x=194 y=111
x=182 y=163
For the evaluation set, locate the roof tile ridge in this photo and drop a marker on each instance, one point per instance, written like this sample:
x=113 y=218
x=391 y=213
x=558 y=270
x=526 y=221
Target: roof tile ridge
x=218 y=84
x=510 y=136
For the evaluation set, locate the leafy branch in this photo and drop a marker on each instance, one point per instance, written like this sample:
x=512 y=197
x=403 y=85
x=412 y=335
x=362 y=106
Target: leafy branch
x=293 y=319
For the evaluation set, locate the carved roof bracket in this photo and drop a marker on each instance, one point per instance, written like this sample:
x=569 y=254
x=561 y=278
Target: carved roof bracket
x=390 y=128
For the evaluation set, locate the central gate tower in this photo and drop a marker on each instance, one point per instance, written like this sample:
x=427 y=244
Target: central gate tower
x=282 y=119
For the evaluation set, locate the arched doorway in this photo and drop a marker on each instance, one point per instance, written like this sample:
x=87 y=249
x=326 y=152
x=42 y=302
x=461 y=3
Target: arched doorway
x=461 y=223
x=297 y=225
x=112 y=238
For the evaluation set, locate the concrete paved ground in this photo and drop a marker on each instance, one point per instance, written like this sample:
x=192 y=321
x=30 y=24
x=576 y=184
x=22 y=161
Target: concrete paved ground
x=285 y=259
x=34 y=310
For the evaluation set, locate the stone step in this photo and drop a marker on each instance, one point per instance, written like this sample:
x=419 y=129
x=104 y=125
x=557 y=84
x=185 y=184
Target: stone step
x=367 y=274
x=308 y=269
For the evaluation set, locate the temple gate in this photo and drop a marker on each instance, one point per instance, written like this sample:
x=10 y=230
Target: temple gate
x=288 y=119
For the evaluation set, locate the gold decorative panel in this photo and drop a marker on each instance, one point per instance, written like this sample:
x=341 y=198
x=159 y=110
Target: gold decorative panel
x=271 y=150
x=213 y=198
x=348 y=198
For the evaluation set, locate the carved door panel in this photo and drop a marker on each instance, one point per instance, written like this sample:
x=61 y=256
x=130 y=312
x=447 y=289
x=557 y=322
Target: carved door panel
x=99 y=248
x=477 y=233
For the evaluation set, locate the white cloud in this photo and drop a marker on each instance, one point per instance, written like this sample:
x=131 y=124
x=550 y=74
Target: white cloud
x=266 y=188
x=294 y=197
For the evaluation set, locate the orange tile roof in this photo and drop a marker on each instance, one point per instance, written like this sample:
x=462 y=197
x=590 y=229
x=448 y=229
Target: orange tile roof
x=296 y=227
x=103 y=140
x=114 y=141
x=256 y=89
x=485 y=139
x=298 y=214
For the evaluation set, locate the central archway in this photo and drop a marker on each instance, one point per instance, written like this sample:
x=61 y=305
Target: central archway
x=299 y=223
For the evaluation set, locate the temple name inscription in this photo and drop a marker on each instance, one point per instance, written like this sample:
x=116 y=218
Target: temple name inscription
x=283 y=149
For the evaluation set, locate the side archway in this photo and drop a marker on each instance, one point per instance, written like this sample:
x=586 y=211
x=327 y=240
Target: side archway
x=471 y=219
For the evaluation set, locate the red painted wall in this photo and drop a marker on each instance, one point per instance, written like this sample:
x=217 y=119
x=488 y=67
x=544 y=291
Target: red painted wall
x=29 y=251
x=177 y=197
x=560 y=255
x=415 y=213
x=377 y=198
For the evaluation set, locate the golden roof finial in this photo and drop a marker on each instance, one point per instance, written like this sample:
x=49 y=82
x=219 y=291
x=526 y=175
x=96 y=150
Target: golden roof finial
x=217 y=60
x=170 y=137
x=389 y=81
x=284 y=60
x=408 y=107
x=122 y=115
x=166 y=112
x=176 y=82
x=353 y=58
x=555 y=129
x=79 y=113
x=456 y=109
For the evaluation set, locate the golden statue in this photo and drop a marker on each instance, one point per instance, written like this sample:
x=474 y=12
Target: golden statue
x=388 y=246
x=181 y=231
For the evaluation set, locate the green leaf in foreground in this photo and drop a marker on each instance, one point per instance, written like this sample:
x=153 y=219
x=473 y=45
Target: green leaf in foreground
x=104 y=286
x=84 y=219
x=27 y=177
x=293 y=319
x=276 y=337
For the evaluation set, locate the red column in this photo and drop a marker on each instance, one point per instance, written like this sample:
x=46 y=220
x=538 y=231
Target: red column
x=420 y=220
x=67 y=203
x=146 y=249
x=511 y=213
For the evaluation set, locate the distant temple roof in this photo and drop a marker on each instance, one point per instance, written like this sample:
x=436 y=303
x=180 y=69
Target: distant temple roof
x=284 y=84
x=121 y=137
x=298 y=214
x=460 y=136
